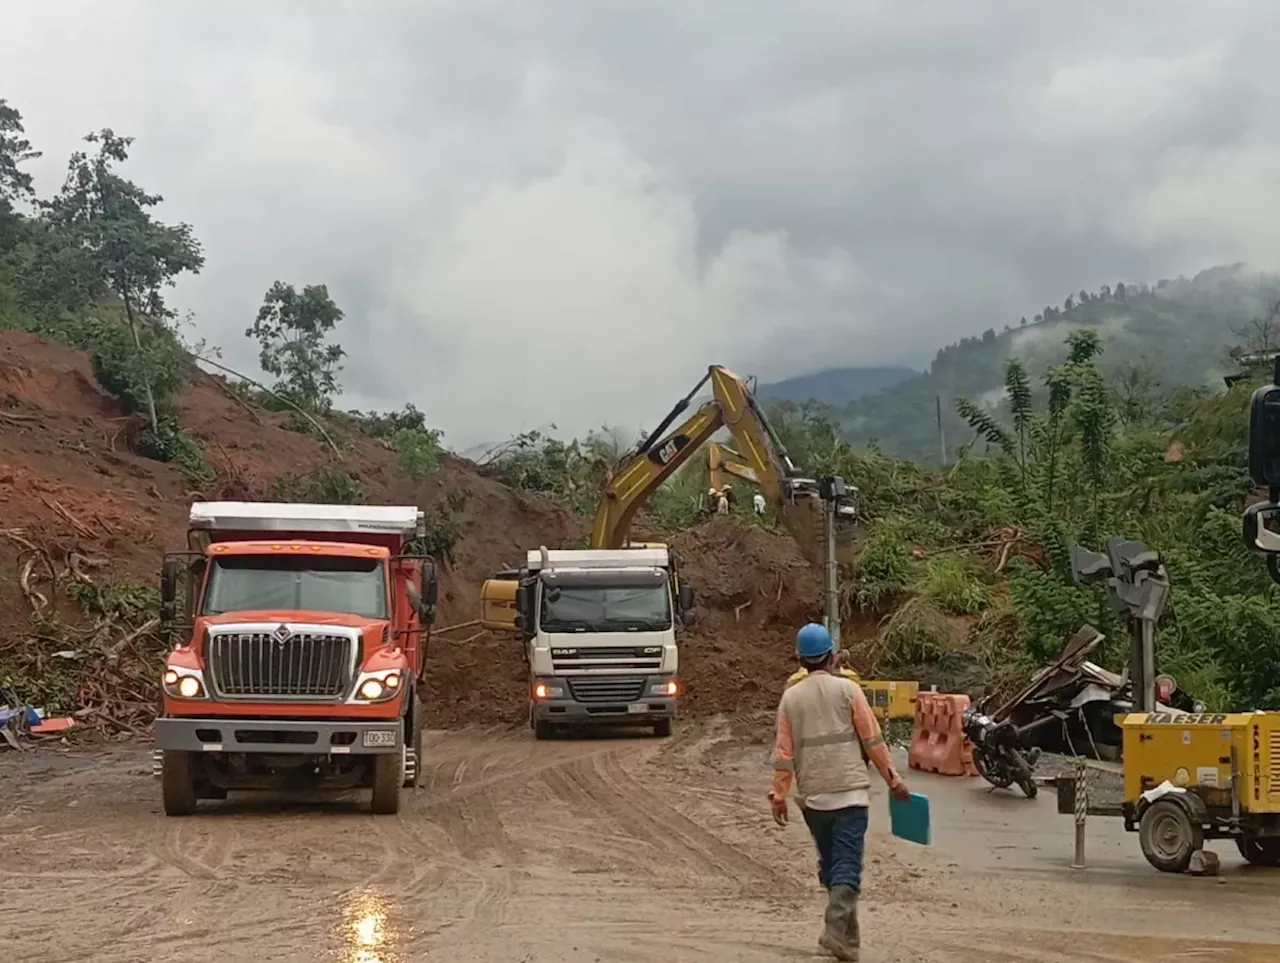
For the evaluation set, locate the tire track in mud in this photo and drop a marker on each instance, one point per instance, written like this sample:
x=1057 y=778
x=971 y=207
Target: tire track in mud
x=1032 y=946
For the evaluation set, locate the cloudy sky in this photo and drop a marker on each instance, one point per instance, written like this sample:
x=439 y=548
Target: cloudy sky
x=562 y=211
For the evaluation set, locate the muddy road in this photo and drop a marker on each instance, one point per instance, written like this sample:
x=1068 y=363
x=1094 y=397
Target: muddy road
x=627 y=850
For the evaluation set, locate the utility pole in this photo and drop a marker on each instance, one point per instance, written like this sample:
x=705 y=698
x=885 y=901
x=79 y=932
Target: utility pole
x=1138 y=588
x=942 y=438
x=832 y=490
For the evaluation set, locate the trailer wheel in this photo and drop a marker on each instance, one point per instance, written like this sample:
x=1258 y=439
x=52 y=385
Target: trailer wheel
x=1168 y=836
x=388 y=775
x=1259 y=851
x=178 y=782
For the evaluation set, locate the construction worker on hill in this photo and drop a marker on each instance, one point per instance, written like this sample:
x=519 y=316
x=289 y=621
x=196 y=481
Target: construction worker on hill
x=729 y=493
x=758 y=503
x=825 y=734
x=722 y=501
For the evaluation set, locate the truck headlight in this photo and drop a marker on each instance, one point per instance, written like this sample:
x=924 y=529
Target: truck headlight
x=184 y=683
x=379 y=686
x=668 y=689
x=544 y=690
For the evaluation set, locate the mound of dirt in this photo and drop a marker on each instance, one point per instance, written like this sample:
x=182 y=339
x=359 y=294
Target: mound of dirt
x=70 y=485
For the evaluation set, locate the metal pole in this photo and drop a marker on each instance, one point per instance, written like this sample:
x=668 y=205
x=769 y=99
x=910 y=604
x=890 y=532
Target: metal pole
x=1137 y=666
x=1149 y=663
x=942 y=438
x=832 y=587
x=1082 y=810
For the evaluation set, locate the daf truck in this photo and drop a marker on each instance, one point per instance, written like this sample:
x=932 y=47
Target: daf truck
x=301 y=632
x=599 y=628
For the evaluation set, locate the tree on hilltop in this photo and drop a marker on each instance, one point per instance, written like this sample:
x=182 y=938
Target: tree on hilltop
x=292 y=329
x=108 y=218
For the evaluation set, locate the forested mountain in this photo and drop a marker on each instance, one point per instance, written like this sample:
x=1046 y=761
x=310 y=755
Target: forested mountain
x=1157 y=340
x=834 y=386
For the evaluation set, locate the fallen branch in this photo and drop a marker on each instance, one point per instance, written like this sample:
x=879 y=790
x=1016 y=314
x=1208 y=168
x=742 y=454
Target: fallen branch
x=737 y=610
x=259 y=385
x=471 y=638
x=81 y=529
x=453 y=628
x=143 y=629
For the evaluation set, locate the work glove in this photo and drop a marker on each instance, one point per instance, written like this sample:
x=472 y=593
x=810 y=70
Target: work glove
x=779 y=804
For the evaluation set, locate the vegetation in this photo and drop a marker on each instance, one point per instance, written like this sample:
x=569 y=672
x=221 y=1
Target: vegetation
x=292 y=330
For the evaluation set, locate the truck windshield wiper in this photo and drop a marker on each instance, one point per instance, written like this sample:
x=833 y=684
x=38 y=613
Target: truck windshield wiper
x=567 y=625
x=647 y=625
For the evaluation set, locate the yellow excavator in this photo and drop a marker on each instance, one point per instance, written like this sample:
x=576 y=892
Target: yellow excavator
x=580 y=668
x=761 y=458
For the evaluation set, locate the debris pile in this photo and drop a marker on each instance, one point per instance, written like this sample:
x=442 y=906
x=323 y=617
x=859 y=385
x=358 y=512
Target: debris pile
x=84 y=522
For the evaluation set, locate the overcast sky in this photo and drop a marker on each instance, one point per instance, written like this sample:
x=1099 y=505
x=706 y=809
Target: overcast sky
x=563 y=210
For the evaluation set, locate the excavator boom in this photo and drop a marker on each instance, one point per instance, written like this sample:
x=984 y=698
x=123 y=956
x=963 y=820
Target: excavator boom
x=764 y=461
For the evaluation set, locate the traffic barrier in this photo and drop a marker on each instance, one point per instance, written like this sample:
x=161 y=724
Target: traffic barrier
x=938 y=743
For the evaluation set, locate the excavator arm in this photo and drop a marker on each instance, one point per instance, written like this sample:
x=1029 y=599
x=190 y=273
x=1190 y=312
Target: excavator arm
x=661 y=454
x=723 y=461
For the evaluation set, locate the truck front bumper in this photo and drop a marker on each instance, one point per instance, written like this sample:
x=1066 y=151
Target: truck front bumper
x=323 y=737
x=564 y=709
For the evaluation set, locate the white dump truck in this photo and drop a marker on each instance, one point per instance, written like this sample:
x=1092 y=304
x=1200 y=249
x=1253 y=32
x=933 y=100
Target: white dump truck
x=599 y=628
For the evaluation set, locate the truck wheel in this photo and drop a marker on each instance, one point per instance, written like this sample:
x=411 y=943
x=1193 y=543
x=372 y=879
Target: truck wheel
x=542 y=730
x=388 y=776
x=178 y=782
x=1259 y=852
x=413 y=755
x=1168 y=836
x=662 y=728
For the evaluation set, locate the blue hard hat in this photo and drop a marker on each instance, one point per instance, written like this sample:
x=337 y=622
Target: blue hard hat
x=813 y=641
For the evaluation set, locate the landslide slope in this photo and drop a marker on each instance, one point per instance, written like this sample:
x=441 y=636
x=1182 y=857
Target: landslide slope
x=71 y=486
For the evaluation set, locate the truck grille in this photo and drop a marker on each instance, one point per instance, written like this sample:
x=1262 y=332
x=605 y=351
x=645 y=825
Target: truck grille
x=606 y=688
x=644 y=657
x=304 y=665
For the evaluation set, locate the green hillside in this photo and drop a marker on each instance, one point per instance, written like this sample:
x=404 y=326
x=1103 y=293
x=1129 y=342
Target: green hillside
x=1157 y=340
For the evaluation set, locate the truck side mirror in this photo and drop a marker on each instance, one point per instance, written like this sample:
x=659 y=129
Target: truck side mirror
x=430 y=585
x=522 y=607
x=1258 y=537
x=686 y=599
x=169 y=590
x=1264 y=437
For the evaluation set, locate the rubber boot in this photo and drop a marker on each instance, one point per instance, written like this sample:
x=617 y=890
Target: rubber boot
x=842 y=903
x=852 y=936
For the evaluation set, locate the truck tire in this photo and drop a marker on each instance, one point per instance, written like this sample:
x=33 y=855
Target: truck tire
x=662 y=728
x=178 y=782
x=1168 y=836
x=1259 y=851
x=388 y=775
x=413 y=762
x=543 y=730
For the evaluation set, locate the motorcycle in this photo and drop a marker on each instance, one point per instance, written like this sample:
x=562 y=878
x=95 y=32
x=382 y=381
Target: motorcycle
x=997 y=753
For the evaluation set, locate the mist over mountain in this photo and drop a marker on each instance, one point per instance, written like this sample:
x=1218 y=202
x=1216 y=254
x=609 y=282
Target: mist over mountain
x=834 y=386
x=1158 y=337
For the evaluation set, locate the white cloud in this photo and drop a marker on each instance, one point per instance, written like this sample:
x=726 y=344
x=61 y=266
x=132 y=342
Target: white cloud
x=565 y=215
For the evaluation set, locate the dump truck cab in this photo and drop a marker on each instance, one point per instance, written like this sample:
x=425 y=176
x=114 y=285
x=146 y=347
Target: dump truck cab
x=599 y=629
x=300 y=634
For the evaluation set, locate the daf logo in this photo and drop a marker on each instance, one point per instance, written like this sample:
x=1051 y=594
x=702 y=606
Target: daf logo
x=282 y=634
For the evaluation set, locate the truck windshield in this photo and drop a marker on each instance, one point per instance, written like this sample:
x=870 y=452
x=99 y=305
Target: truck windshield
x=352 y=586
x=598 y=608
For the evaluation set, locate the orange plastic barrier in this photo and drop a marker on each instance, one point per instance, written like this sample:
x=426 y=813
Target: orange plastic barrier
x=937 y=737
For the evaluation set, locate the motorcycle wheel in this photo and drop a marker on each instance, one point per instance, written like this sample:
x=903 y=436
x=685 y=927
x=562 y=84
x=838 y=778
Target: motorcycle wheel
x=1022 y=775
x=990 y=770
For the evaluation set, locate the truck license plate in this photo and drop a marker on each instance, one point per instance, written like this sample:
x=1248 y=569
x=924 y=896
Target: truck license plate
x=374 y=738
x=638 y=707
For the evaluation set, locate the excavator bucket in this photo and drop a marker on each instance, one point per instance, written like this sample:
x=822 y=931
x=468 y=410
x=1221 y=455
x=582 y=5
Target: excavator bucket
x=498 y=604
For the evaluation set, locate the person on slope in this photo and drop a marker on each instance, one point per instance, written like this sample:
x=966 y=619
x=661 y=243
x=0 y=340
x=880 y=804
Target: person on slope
x=757 y=502
x=825 y=728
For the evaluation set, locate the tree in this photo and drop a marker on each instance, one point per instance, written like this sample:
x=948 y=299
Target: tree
x=15 y=183
x=15 y=149
x=292 y=329
x=107 y=217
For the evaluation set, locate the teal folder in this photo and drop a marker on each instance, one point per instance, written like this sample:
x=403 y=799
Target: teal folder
x=909 y=819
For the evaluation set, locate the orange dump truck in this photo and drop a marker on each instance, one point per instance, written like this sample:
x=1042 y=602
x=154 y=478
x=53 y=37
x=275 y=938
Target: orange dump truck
x=301 y=633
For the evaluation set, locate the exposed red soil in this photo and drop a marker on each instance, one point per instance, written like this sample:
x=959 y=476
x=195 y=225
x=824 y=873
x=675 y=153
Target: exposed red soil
x=69 y=483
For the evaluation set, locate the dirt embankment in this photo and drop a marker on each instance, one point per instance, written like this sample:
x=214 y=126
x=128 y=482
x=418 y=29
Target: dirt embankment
x=70 y=484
